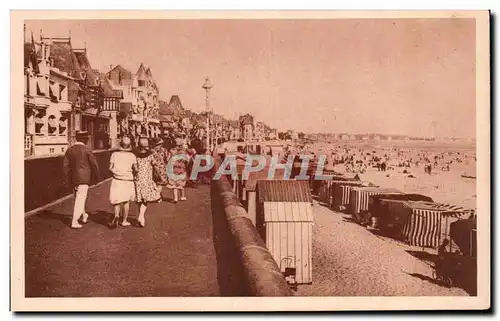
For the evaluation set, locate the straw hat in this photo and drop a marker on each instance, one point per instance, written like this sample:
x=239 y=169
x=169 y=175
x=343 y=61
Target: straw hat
x=82 y=133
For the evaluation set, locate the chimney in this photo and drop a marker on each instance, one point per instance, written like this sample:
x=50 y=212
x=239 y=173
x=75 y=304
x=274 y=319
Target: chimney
x=110 y=67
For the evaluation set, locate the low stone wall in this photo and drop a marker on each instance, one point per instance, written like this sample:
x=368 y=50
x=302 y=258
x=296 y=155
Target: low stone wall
x=263 y=277
x=44 y=180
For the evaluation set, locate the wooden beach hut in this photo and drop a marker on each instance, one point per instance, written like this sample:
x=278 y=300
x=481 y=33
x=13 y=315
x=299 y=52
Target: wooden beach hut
x=251 y=188
x=285 y=221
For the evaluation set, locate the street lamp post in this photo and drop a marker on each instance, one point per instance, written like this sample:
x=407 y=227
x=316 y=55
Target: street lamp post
x=207 y=86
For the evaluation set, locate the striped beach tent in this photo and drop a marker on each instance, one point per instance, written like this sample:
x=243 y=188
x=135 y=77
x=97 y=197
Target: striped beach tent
x=423 y=225
x=360 y=196
x=387 y=208
x=326 y=190
x=342 y=192
x=449 y=210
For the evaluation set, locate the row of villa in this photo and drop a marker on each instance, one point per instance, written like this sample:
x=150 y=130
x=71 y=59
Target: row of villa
x=63 y=94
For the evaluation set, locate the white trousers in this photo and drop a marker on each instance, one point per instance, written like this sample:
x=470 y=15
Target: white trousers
x=80 y=199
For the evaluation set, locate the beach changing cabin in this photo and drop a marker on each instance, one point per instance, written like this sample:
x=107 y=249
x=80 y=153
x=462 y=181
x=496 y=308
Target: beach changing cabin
x=285 y=221
x=331 y=191
x=423 y=222
x=359 y=198
x=250 y=186
x=384 y=208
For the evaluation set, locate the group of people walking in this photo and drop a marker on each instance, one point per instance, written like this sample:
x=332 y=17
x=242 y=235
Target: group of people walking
x=138 y=175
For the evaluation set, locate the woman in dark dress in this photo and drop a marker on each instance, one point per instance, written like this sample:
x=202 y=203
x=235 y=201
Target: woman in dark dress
x=147 y=190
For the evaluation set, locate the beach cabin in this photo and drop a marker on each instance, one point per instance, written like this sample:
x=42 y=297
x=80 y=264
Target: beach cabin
x=285 y=221
x=422 y=222
x=328 y=189
x=359 y=198
x=250 y=188
x=342 y=192
x=381 y=208
x=326 y=192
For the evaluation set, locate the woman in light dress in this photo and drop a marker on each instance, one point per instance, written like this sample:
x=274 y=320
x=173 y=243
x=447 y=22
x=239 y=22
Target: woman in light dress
x=122 y=166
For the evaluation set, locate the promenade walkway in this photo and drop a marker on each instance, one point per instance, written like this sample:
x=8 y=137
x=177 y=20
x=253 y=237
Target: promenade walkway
x=174 y=255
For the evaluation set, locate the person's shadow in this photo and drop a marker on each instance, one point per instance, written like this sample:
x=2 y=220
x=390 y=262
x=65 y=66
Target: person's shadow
x=49 y=215
x=101 y=217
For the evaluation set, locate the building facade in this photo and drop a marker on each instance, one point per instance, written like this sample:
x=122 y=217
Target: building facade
x=138 y=114
x=247 y=125
x=61 y=95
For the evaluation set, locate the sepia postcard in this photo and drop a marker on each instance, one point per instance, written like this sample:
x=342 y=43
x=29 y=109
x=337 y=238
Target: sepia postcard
x=250 y=161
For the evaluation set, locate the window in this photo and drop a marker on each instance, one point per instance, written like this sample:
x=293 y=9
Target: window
x=27 y=84
x=39 y=123
x=51 y=150
x=52 y=125
x=39 y=90
x=53 y=94
x=63 y=125
x=141 y=83
x=62 y=92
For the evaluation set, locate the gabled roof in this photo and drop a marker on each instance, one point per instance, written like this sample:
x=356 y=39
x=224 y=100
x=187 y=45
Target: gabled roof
x=107 y=88
x=125 y=74
x=164 y=108
x=65 y=59
x=176 y=105
x=141 y=73
x=84 y=64
x=246 y=119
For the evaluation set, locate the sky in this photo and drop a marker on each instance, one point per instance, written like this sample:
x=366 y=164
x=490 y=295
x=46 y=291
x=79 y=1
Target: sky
x=390 y=76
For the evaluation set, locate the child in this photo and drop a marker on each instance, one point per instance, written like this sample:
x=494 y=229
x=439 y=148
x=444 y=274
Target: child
x=122 y=166
x=177 y=181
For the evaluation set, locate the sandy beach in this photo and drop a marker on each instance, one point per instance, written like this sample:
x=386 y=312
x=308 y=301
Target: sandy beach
x=349 y=260
x=441 y=185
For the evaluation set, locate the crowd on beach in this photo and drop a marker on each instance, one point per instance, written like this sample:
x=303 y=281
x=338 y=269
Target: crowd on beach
x=359 y=160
